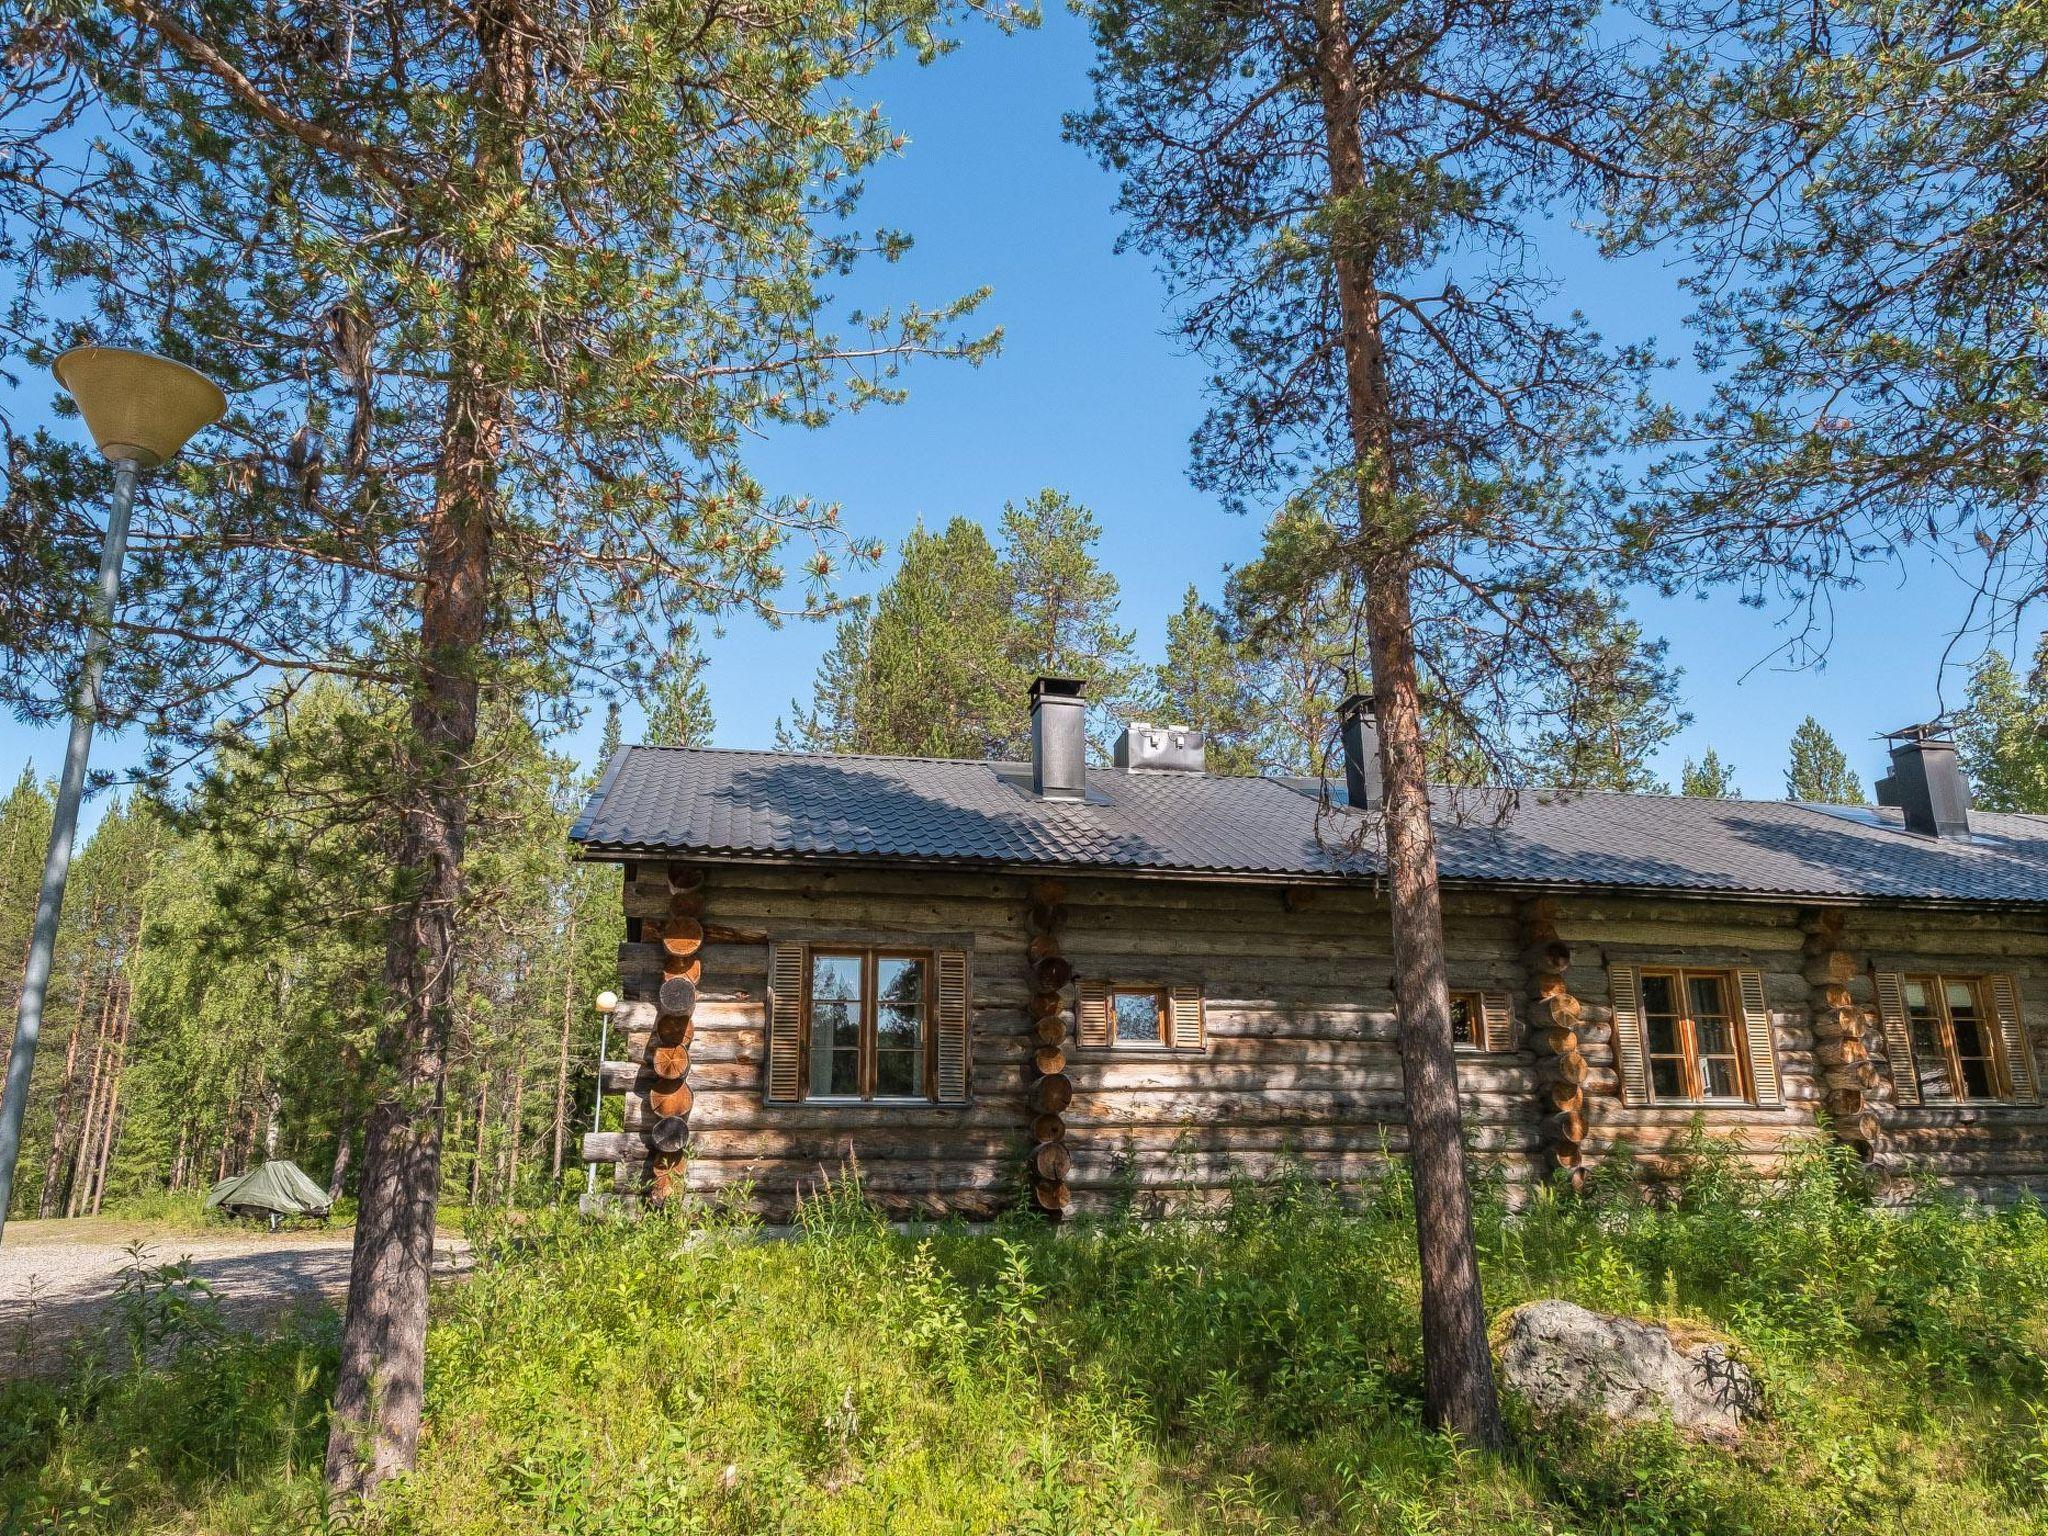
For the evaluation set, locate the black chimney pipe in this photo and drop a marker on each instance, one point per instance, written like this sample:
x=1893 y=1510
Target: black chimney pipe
x=1927 y=783
x=1364 y=788
x=1059 y=738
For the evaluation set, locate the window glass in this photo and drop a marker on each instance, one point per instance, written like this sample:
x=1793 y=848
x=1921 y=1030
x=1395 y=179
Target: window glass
x=836 y=1010
x=1139 y=1017
x=1974 y=1050
x=1929 y=1030
x=899 y=1026
x=1464 y=1019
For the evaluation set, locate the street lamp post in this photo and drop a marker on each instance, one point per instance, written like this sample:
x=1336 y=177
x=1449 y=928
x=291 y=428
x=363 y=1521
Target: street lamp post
x=140 y=409
x=607 y=1003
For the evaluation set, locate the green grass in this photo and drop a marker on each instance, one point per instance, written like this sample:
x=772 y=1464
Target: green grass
x=1258 y=1373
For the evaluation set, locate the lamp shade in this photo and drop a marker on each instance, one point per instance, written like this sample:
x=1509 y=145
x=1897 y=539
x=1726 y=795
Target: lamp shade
x=138 y=406
x=607 y=1001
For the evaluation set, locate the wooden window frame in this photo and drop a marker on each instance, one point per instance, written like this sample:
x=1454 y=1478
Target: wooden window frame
x=870 y=957
x=1989 y=1025
x=1688 y=1053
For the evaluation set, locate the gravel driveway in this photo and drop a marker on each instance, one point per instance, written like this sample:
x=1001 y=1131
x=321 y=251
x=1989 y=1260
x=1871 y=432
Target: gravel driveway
x=56 y=1276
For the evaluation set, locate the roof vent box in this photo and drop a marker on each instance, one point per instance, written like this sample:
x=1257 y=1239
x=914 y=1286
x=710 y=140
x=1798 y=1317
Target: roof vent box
x=1172 y=748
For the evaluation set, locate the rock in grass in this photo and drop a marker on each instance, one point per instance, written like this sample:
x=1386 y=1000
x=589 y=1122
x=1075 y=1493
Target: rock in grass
x=1564 y=1358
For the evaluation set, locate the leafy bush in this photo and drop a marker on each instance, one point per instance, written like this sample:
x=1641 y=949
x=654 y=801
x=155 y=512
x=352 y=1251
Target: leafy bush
x=1256 y=1372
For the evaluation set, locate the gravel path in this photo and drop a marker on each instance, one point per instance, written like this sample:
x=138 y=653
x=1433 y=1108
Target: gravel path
x=57 y=1276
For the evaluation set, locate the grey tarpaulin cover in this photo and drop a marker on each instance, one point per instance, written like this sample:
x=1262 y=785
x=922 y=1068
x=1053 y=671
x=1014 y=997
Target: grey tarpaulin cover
x=276 y=1188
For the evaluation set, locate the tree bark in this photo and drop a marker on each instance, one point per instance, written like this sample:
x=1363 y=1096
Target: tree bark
x=53 y=1171
x=562 y=1062
x=78 y=1158
x=1458 y=1386
x=518 y=1109
x=112 y=1117
x=476 y=1155
x=338 y=1175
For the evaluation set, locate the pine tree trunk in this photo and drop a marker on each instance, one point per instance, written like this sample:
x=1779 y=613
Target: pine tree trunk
x=79 y=1158
x=112 y=1117
x=1458 y=1386
x=338 y=1175
x=476 y=1156
x=516 y=1138
x=376 y=1414
x=178 y=1157
x=67 y=1090
x=562 y=1062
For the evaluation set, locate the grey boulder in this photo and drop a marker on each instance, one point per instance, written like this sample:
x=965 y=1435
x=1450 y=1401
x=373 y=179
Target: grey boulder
x=1561 y=1358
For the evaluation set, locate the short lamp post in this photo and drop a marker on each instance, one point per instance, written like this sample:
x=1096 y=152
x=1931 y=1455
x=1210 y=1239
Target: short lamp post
x=607 y=1005
x=140 y=409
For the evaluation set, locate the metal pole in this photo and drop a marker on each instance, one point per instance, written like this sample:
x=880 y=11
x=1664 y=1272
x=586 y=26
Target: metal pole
x=35 y=980
x=604 y=1036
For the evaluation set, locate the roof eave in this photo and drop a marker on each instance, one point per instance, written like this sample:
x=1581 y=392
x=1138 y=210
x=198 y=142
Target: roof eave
x=622 y=853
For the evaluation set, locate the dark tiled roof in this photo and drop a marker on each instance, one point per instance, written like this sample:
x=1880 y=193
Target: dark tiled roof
x=708 y=802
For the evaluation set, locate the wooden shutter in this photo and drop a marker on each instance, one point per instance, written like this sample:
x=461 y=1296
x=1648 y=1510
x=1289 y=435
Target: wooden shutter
x=1497 y=1022
x=952 y=1027
x=1756 y=1028
x=1898 y=1035
x=2012 y=1035
x=785 y=1022
x=1624 y=988
x=1184 y=1013
x=1091 y=1013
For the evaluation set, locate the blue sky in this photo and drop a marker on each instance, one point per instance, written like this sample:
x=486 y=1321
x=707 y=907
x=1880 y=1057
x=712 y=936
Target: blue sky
x=1092 y=396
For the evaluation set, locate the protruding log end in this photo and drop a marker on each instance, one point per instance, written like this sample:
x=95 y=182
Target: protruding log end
x=678 y=995
x=1050 y=1095
x=671 y=1133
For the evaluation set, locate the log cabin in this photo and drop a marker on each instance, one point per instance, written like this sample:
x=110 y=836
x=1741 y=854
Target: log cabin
x=1080 y=986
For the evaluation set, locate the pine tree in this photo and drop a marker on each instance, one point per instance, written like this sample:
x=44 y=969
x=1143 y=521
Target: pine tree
x=1203 y=682
x=613 y=737
x=2002 y=734
x=1610 y=725
x=499 y=296
x=1819 y=771
x=1857 y=198
x=1306 y=173
x=939 y=661
x=24 y=837
x=1708 y=779
x=679 y=704
x=1064 y=601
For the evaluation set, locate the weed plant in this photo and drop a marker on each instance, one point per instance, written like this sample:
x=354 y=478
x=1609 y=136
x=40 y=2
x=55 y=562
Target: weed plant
x=1253 y=1369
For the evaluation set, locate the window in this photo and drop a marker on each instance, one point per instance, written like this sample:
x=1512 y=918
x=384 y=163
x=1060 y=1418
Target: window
x=1690 y=1035
x=1468 y=1021
x=865 y=1030
x=1139 y=1016
x=1955 y=1044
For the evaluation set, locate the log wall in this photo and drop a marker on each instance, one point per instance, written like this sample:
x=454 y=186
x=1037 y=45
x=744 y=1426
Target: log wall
x=1299 y=1065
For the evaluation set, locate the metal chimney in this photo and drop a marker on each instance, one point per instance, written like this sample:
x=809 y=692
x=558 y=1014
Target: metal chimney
x=1059 y=738
x=1363 y=785
x=1927 y=783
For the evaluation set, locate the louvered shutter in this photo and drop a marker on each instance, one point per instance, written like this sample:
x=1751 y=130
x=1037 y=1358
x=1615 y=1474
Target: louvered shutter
x=785 y=1022
x=1624 y=988
x=1091 y=1013
x=1756 y=1028
x=952 y=1027
x=1184 y=1012
x=1898 y=1035
x=2012 y=1035
x=1497 y=1022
